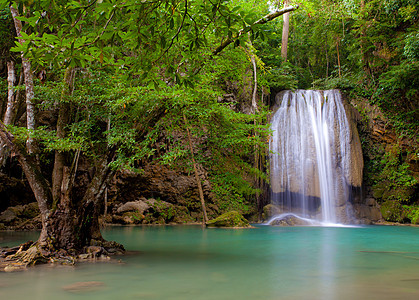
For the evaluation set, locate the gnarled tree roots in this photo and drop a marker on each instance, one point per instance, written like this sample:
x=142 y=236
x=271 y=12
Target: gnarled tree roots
x=28 y=254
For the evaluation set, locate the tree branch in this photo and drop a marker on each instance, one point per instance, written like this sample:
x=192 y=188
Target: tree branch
x=263 y=20
x=103 y=31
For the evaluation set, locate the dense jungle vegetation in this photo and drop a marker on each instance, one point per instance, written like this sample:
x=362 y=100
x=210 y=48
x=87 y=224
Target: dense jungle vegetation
x=124 y=82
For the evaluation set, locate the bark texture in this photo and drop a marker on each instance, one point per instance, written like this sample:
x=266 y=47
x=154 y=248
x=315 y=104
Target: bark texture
x=63 y=120
x=11 y=78
x=198 y=180
x=285 y=33
x=26 y=65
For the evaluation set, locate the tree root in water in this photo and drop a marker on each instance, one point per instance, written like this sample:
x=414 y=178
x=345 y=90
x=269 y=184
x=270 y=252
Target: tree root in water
x=30 y=253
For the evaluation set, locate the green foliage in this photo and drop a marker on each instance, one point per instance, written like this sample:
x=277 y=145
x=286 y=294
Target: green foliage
x=280 y=78
x=412 y=213
x=392 y=183
x=231 y=192
x=392 y=211
x=223 y=140
x=7 y=33
x=230 y=66
x=345 y=82
x=411 y=48
x=395 y=175
x=398 y=96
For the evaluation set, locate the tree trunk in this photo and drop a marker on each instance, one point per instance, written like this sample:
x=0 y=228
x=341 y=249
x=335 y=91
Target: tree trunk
x=26 y=65
x=255 y=86
x=198 y=180
x=33 y=173
x=11 y=78
x=362 y=45
x=285 y=33
x=337 y=50
x=63 y=120
x=74 y=224
x=10 y=108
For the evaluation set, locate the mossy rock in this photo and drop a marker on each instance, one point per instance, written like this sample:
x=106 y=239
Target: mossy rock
x=271 y=210
x=392 y=211
x=380 y=190
x=30 y=210
x=132 y=217
x=229 y=219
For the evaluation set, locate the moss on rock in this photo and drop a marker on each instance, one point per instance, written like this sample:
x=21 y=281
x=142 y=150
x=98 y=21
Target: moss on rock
x=229 y=219
x=392 y=211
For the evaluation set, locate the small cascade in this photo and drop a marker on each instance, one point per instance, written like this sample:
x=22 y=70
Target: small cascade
x=311 y=156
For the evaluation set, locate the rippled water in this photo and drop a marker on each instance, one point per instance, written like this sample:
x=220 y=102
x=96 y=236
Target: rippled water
x=188 y=262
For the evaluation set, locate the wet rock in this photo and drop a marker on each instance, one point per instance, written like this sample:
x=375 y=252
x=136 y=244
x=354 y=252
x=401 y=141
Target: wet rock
x=95 y=250
x=30 y=211
x=175 y=188
x=22 y=217
x=14 y=267
x=8 y=216
x=229 y=219
x=290 y=220
x=370 y=201
x=271 y=210
x=367 y=214
x=392 y=211
x=139 y=206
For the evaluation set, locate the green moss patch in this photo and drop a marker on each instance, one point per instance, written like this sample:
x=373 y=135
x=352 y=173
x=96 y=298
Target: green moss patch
x=229 y=219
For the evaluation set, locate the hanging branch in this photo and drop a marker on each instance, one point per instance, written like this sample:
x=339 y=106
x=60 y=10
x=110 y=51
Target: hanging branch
x=177 y=33
x=198 y=181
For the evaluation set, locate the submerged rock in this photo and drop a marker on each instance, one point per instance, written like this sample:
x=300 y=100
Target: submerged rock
x=229 y=219
x=290 y=220
x=85 y=286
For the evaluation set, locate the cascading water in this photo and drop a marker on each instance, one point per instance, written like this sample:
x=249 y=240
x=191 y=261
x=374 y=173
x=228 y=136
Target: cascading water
x=311 y=155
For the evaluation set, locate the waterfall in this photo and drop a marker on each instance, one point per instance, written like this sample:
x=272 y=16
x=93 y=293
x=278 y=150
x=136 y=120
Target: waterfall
x=311 y=155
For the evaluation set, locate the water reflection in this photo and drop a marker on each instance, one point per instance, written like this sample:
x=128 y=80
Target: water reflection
x=328 y=259
x=262 y=263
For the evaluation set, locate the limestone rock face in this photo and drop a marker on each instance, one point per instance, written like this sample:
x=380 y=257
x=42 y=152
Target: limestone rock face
x=14 y=191
x=139 y=205
x=24 y=217
x=159 y=195
x=229 y=219
x=148 y=211
x=8 y=216
x=357 y=163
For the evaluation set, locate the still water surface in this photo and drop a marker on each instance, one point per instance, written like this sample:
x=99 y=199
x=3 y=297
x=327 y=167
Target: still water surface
x=188 y=262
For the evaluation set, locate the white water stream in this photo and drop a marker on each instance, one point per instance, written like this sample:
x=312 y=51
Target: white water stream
x=310 y=155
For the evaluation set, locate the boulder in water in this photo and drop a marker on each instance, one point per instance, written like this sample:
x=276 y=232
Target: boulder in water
x=289 y=220
x=230 y=219
x=271 y=210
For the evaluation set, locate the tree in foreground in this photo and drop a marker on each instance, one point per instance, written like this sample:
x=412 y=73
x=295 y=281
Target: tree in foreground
x=118 y=72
